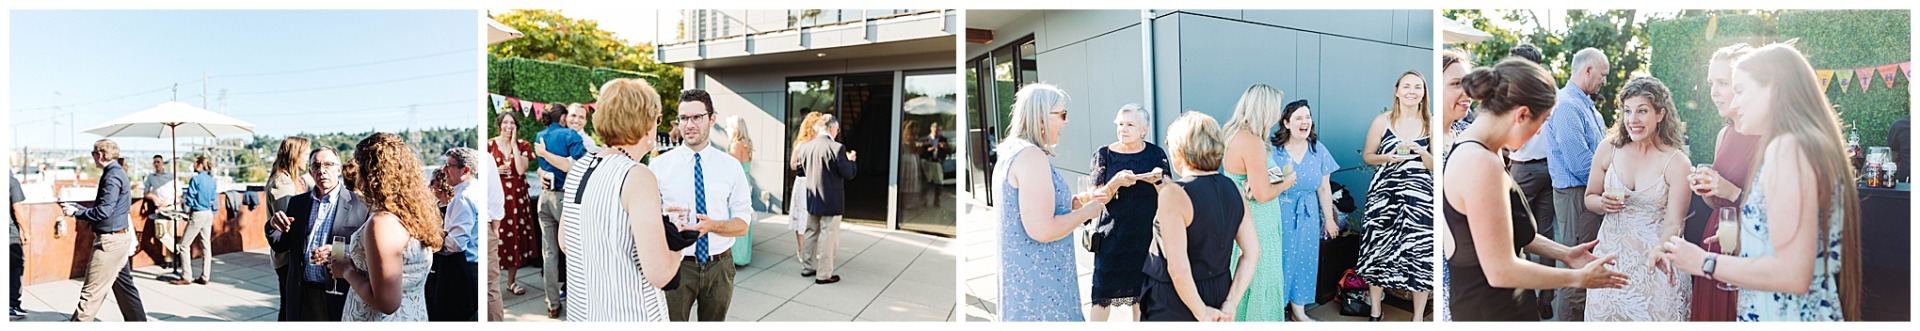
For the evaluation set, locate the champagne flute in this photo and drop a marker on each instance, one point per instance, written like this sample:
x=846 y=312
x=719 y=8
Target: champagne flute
x=1084 y=185
x=339 y=252
x=1729 y=233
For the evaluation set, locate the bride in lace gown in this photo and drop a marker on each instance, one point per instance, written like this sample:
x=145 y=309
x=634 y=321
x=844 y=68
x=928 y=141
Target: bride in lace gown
x=1644 y=200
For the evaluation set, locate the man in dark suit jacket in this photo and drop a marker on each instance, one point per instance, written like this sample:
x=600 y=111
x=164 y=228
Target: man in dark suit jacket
x=828 y=166
x=328 y=210
x=113 y=240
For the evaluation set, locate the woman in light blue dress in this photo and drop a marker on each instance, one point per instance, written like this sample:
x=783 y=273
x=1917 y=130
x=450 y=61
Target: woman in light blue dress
x=1307 y=206
x=1799 y=240
x=1037 y=280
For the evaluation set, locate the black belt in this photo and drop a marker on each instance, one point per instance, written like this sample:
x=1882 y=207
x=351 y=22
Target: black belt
x=727 y=255
x=1539 y=160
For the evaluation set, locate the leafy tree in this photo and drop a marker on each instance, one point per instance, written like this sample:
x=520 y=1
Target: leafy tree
x=551 y=36
x=1618 y=33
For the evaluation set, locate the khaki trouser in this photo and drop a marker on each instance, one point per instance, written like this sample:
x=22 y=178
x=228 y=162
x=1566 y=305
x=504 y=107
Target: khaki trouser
x=823 y=238
x=494 y=312
x=554 y=261
x=200 y=226
x=109 y=260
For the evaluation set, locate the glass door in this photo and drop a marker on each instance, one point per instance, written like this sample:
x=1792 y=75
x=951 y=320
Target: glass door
x=865 y=105
x=927 y=164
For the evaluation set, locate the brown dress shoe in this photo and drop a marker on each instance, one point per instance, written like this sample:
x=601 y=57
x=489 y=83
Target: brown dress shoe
x=179 y=281
x=202 y=281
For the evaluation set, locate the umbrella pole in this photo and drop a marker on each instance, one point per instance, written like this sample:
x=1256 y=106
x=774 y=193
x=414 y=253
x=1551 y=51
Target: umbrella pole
x=173 y=165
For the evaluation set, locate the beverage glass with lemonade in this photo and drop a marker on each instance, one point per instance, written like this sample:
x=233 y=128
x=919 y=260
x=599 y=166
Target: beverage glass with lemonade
x=1729 y=233
x=338 y=251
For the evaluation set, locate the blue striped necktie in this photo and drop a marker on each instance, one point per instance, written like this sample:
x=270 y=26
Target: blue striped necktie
x=699 y=207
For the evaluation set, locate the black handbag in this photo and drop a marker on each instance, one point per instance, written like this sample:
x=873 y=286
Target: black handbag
x=1354 y=303
x=1091 y=235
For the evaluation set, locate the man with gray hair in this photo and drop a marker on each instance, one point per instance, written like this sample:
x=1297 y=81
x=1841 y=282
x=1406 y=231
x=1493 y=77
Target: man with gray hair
x=1572 y=134
x=828 y=166
x=452 y=285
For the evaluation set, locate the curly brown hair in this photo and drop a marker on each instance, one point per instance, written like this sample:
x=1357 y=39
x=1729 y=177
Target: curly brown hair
x=390 y=181
x=1671 y=132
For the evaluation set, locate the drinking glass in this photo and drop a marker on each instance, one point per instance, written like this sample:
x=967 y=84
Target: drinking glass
x=339 y=252
x=1729 y=234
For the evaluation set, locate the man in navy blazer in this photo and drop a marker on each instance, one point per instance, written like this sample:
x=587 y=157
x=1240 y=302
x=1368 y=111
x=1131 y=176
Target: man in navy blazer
x=328 y=210
x=828 y=166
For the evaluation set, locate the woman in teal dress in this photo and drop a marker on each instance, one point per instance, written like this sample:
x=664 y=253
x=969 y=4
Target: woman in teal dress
x=1307 y=204
x=1248 y=152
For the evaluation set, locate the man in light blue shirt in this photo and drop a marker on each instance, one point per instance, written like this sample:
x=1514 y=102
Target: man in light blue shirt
x=559 y=146
x=1574 y=130
x=456 y=270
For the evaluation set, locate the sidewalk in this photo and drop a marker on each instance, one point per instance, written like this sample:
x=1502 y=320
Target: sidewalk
x=982 y=233
x=242 y=289
x=886 y=276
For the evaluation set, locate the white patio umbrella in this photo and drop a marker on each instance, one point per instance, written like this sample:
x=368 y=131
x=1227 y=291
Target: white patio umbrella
x=497 y=32
x=173 y=119
x=1454 y=32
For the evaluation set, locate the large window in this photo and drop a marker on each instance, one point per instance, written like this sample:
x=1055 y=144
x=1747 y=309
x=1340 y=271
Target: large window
x=1002 y=71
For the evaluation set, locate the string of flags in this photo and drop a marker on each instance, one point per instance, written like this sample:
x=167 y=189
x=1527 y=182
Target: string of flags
x=524 y=107
x=1864 y=75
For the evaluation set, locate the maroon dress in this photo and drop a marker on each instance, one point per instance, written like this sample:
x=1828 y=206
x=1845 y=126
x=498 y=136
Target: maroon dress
x=517 y=237
x=1733 y=158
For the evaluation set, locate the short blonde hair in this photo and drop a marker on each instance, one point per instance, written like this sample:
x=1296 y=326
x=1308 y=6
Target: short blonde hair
x=1030 y=108
x=1257 y=111
x=1195 y=140
x=629 y=111
x=106 y=148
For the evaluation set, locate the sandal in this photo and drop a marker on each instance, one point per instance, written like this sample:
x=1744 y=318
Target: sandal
x=515 y=288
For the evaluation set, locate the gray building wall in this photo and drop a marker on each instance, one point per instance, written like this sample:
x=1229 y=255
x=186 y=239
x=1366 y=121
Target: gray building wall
x=1344 y=62
x=758 y=94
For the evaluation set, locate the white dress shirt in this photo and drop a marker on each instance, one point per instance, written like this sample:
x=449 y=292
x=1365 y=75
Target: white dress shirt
x=728 y=195
x=496 y=195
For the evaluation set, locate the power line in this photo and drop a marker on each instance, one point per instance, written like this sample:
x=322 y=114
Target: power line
x=114 y=98
x=356 y=84
x=362 y=64
x=311 y=111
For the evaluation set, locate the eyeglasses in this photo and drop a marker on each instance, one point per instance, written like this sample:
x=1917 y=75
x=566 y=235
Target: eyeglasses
x=684 y=118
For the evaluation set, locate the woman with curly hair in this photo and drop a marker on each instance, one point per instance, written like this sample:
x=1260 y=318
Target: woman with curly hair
x=388 y=258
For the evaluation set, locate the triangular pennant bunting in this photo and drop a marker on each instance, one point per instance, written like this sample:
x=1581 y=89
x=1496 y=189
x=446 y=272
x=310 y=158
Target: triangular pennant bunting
x=499 y=102
x=1826 y=77
x=1866 y=77
x=1907 y=68
x=1846 y=77
x=1887 y=74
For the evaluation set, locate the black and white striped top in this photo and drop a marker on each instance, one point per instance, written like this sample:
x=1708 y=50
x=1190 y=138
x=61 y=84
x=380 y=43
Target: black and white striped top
x=604 y=280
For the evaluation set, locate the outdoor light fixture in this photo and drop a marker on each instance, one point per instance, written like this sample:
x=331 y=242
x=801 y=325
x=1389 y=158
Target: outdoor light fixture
x=819 y=54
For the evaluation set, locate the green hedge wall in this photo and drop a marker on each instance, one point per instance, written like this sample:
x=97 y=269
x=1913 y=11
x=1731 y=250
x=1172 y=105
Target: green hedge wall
x=546 y=82
x=1680 y=51
x=1846 y=39
x=1831 y=39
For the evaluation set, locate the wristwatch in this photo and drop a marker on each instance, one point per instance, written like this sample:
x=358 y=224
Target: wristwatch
x=1706 y=267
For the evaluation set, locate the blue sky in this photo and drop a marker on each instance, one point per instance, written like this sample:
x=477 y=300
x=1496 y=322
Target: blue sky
x=99 y=63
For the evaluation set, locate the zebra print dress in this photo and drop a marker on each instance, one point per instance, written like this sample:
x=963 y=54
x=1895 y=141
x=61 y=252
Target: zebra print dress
x=1397 y=249
x=604 y=279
